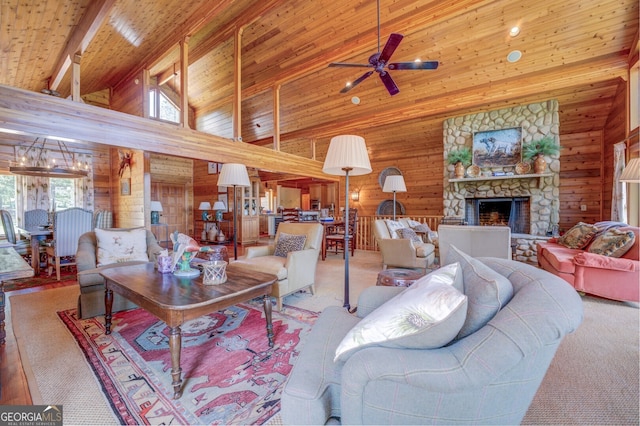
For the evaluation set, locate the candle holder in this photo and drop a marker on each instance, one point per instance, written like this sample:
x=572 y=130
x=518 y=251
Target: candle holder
x=215 y=272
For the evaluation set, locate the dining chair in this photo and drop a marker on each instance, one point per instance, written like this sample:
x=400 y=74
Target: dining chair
x=335 y=235
x=35 y=217
x=68 y=225
x=22 y=247
x=103 y=219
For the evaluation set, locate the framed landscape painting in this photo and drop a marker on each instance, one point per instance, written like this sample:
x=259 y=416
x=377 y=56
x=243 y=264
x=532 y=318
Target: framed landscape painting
x=496 y=148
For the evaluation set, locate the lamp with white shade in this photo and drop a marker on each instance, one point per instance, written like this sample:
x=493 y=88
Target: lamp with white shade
x=394 y=183
x=219 y=208
x=205 y=206
x=233 y=175
x=347 y=156
x=156 y=209
x=631 y=172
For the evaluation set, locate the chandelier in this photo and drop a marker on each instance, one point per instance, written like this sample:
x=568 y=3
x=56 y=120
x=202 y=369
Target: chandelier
x=37 y=160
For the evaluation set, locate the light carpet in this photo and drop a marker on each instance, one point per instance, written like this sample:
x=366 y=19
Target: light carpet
x=593 y=379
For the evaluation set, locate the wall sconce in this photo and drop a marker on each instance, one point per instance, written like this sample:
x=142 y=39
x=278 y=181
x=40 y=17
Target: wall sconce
x=355 y=196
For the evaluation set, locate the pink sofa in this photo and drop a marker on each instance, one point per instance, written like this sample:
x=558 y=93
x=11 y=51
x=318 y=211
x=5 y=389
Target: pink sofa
x=609 y=277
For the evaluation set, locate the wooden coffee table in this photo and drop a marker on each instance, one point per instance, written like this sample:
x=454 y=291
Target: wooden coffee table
x=177 y=300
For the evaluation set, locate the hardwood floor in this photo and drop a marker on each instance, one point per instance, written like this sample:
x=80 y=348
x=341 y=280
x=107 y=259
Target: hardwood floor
x=14 y=389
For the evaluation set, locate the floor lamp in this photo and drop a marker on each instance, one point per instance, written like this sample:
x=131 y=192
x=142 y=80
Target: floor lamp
x=233 y=174
x=394 y=183
x=347 y=155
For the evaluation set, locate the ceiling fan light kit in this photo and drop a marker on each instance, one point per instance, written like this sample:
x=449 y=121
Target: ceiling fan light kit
x=380 y=60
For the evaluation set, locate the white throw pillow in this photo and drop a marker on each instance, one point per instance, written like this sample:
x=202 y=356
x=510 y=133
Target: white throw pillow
x=121 y=246
x=427 y=315
x=393 y=226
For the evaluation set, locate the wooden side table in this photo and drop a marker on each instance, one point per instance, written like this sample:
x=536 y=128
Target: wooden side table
x=398 y=277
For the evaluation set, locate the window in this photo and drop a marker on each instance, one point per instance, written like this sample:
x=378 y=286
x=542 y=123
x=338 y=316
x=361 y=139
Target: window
x=162 y=108
x=63 y=193
x=8 y=196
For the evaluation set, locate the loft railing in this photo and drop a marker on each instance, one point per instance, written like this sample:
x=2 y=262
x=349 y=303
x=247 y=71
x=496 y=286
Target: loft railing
x=365 y=239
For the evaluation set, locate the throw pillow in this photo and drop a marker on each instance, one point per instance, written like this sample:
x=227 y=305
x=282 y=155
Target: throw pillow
x=426 y=315
x=487 y=290
x=393 y=226
x=578 y=236
x=118 y=246
x=613 y=243
x=409 y=234
x=421 y=227
x=288 y=242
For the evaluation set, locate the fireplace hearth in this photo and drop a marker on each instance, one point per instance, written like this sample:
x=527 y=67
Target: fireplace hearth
x=501 y=211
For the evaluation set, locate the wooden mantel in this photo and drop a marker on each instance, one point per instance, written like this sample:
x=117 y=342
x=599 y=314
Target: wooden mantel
x=41 y=115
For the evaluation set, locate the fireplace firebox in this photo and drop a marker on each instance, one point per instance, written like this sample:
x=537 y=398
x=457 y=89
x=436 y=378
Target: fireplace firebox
x=507 y=211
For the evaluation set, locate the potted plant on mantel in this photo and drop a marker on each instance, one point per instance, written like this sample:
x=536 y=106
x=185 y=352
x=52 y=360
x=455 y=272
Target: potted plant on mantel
x=536 y=150
x=461 y=157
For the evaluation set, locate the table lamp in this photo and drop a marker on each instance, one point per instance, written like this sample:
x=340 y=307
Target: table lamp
x=219 y=208
x=233 y=174
x=347 y=155
x=156 y=208
x=204 y=206
x=631 y=172
x=394 y=183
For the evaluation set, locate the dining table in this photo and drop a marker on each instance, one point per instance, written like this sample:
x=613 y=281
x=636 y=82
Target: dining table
x=36 y=234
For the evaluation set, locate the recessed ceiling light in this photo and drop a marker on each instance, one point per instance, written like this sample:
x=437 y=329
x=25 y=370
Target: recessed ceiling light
x=514 y=56
x=355 y=100
x=417 y=60
x=514 y=31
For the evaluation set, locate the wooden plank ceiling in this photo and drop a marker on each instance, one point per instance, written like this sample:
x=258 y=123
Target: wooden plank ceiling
x=576 y=51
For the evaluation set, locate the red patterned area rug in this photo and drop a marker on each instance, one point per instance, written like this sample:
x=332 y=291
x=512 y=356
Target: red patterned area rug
x=230 y=375
x=43 y=280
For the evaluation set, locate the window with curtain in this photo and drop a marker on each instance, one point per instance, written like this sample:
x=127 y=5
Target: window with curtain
x=8 y=196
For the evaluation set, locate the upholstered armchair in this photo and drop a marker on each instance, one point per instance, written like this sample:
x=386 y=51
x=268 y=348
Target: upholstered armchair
x=492 y=241
x=402 y=252
x=296 y=269
x=91 y=298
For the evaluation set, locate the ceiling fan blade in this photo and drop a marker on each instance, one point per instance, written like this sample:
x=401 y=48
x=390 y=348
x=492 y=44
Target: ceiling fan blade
x=390 y=47
x=389 y=83
x=347 y=64
x=355 y=83
x=426 y=65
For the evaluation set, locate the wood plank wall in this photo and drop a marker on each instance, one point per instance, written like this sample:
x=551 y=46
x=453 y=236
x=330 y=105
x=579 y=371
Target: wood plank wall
x=615 y=130
x=580 y=178
x=128 y=210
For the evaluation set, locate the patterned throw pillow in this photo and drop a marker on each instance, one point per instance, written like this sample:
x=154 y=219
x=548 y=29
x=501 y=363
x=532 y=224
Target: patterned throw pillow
x=422 y=227
x=121 y=246
x=409 y=234
x=426 y=315
x=487 y=290
x=393 y=226
x=579 y=236
x=613 y=243
x=288 y=242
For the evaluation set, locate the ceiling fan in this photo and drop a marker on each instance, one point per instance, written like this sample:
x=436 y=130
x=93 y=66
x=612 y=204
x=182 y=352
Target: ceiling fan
x=380 y=60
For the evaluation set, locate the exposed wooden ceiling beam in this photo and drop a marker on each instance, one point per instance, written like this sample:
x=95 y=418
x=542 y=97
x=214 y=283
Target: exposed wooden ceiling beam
x=38 y=114
x=82 y=35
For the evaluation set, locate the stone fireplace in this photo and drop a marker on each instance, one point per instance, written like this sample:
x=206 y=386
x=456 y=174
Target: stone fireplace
x=528 y=203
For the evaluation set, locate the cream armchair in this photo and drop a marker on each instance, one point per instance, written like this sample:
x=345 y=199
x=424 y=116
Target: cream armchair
x=402 y=252
x=294 y=272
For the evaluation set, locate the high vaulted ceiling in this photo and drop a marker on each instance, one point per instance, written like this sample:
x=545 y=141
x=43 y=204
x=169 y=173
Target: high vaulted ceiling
x=576 y=51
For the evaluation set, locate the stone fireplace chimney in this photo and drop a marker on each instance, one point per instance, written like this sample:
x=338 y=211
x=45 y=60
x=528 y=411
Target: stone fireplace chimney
x=542 y=191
